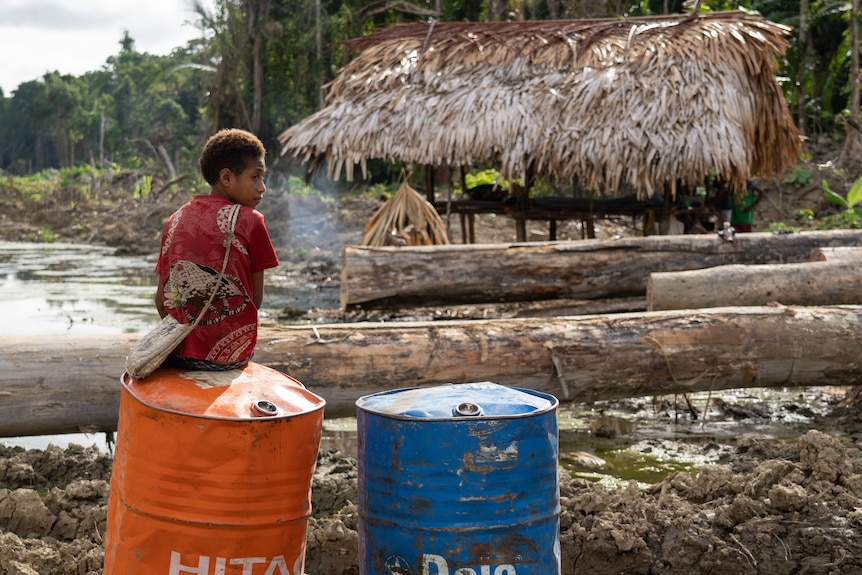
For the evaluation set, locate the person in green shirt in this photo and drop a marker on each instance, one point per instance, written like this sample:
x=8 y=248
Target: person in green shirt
x=744 y=201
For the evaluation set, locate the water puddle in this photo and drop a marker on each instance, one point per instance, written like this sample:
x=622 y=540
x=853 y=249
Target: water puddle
x=80 y=289
x=68 y=288
x=645 y=439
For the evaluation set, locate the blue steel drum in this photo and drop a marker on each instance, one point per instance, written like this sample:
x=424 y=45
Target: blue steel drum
x=459 y=479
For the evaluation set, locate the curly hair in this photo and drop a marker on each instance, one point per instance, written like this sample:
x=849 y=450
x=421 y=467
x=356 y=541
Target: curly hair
x=230 y=148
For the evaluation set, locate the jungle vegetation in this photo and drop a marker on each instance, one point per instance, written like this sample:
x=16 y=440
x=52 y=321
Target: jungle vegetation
x=263 y=65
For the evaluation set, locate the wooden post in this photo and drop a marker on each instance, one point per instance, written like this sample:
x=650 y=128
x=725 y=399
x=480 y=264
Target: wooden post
x=591 y=229
x=521 y=229
x=429 y=183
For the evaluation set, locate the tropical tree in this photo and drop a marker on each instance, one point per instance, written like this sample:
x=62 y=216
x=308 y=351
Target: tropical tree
x=227 y=58
x=851 y=154
x=33 y=109
x=63 y=121
x=264 y=65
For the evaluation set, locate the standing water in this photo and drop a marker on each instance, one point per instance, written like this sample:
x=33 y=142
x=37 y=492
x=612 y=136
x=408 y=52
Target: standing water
x=75 y=289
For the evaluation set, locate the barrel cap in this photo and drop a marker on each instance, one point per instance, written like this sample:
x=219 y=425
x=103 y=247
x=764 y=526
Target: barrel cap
x=251 y=392
x=477 y=400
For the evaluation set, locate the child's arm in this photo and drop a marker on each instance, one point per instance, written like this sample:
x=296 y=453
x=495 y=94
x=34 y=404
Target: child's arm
x=257 y=288
x=160 y=299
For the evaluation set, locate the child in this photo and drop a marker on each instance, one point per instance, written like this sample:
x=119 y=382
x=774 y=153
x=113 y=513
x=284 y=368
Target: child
x=192 y=254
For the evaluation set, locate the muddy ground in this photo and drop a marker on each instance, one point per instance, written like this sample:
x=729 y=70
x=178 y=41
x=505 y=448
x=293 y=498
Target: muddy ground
x=770 y=507
x=776 y=508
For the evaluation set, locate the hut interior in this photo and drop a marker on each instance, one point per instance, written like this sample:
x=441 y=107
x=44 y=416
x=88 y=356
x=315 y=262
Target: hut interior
x=621 y=116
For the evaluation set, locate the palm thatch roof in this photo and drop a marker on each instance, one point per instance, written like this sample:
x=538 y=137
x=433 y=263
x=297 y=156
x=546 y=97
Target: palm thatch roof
x=640 y=101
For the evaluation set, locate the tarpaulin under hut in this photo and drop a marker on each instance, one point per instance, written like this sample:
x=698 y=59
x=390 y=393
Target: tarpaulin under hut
x=650 y=103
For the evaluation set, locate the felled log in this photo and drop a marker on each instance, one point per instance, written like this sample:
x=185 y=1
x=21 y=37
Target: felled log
x=844 y=254
x=586 y=269
x=58 y=384
x=813 y=283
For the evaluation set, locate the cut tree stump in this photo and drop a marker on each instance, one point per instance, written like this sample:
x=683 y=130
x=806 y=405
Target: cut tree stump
x=814 y=283
x=587 y=269
x=60 y=383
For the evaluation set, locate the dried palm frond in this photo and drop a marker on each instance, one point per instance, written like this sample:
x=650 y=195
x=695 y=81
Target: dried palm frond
x=406 y=219
x=644 y=102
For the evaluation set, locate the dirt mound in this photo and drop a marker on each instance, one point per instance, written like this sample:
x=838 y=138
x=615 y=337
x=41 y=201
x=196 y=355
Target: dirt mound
x=784 y=516
x=800 y=513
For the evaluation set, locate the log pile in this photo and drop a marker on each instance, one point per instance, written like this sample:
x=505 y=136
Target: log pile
x=60 y=384
x=589 y=269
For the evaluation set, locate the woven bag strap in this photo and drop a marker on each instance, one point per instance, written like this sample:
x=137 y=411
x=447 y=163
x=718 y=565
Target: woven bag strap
x=228 y=240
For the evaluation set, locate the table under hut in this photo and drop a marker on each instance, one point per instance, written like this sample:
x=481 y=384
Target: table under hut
x=615 y=116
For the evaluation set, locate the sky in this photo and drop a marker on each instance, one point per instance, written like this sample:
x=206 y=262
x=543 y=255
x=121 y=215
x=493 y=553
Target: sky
x=78 y=36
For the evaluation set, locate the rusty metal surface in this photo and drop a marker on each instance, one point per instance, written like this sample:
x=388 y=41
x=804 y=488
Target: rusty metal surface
x=212 y=474
x=458 y=479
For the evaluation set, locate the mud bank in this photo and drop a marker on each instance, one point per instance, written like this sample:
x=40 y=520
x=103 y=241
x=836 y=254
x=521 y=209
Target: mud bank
x=778 y=507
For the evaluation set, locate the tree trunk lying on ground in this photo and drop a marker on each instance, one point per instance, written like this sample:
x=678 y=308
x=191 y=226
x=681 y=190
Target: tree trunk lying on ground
x=59 y=384
x=843 y=254
x=812 y=283
x=587 y=269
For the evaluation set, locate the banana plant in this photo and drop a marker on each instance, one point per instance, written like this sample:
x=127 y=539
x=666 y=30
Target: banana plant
x=851 y=206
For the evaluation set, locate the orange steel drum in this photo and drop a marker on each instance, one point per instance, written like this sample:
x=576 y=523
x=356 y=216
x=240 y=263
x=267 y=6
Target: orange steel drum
x=212 y=473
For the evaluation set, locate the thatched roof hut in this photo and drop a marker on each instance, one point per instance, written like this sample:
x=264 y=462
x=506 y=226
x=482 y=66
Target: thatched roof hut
x=647 y=102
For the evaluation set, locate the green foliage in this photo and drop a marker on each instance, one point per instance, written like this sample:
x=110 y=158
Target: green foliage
x=138 y=110
x=543 y=188
x=143 y=187
x=854 y=197
x=800 y=177
x=781 y=228
x=69 y=176
x=816 y=70
x=45 y=235
x=486 y=177
x=153 y=113
x=849 y=217
x=804 y=216
x=297 y=187
x=79 y=186
x=34 y=187
x=380 y=191
x=846 y=220
x=803 y=219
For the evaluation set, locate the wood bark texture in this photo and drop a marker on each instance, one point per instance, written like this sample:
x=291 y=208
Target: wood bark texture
x=586 y=269
x=812 y=283
x=843 y=254
x=60 y=384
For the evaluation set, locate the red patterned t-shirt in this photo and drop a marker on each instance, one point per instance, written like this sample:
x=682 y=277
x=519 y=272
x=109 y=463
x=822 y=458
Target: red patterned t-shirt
x=190 y=259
